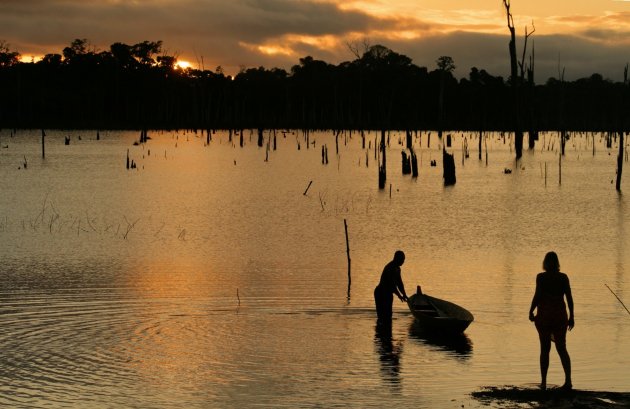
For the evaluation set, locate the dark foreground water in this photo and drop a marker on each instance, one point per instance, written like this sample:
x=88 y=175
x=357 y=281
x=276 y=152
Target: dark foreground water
x=206 y=278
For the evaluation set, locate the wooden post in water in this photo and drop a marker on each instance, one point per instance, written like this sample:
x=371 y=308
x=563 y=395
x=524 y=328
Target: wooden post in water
x=560 y=169
x=345 y=225
x=619 y=162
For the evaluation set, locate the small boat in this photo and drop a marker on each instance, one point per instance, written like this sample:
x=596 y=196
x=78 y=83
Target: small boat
x=434 y=314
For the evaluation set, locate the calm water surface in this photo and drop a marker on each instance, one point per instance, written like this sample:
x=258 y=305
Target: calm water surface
x=206 y=278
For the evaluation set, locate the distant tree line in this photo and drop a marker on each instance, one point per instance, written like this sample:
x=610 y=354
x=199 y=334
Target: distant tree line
x=139 y=86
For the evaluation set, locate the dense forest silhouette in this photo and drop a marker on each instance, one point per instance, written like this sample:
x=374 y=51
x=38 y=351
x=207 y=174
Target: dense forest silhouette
x=138 y=87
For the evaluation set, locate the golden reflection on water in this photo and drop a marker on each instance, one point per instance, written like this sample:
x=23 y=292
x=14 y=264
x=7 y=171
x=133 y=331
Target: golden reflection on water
x=174 y=329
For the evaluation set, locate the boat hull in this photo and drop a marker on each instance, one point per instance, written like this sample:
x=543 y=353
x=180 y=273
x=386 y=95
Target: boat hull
x=435 y=314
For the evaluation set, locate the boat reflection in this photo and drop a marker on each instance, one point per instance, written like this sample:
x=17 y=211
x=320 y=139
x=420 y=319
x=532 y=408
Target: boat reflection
x=459 y=344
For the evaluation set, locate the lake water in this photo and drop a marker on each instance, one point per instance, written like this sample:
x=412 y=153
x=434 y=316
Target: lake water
x=206 y=277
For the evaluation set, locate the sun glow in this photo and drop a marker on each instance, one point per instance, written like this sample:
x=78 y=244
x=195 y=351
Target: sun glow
x=181 y=64
x=31 y=58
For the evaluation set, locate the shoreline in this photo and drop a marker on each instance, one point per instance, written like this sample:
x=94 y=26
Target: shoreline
x=515 y=396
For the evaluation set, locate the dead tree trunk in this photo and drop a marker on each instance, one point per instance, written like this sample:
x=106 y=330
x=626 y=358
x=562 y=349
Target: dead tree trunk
x=260 y=137
x=515 y=81
x=480 y=139
x=620 y=162
x=382 y=172
x=414 y=164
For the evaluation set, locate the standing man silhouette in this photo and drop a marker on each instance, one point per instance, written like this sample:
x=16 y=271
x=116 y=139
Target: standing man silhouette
x=391 y=283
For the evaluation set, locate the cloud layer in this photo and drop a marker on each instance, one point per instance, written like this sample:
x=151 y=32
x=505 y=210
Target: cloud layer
x=276 y=33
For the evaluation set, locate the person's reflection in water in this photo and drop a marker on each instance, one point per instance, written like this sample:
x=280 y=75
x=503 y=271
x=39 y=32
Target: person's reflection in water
x=389 y=355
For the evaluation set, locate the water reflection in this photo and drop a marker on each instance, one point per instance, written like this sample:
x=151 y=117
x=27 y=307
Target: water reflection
x=94 y=311
x=459 y=344
x=389 y=351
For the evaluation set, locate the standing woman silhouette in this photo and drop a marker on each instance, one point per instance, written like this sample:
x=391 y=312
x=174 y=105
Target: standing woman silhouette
x=551 y=318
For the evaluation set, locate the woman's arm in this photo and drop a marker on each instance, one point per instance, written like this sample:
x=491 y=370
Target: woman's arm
x=534 y=303
x=569 y=296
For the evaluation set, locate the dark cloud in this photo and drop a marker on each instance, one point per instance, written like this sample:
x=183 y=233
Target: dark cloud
x=578 y=56
x=607 y=35
x=212 y=28
x=248 y=20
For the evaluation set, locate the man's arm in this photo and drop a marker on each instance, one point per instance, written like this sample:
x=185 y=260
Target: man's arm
x=400 y=287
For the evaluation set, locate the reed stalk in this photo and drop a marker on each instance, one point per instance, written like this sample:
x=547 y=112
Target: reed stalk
x=618 y=299
x=308 y=187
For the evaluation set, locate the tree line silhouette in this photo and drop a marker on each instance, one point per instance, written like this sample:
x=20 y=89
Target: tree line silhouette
x=139 y=86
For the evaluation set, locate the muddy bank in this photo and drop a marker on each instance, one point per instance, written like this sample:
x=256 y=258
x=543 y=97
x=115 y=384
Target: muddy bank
x=527 y=397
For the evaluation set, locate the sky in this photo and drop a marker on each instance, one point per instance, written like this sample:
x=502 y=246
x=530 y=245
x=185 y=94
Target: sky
x=579 y=37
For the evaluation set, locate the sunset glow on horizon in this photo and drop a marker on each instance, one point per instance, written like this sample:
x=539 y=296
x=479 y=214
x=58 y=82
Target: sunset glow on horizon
x=183 y=64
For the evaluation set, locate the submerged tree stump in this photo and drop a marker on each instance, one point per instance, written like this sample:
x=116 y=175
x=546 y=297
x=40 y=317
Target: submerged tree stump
x=414 y=164
x=260 y=137
x=406 y=163
x=449 y=168
x=533 y=137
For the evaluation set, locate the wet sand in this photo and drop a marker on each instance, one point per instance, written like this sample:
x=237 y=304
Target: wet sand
x=509 y=396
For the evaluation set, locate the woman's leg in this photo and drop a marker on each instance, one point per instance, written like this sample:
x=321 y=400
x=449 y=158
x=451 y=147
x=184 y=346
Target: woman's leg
x=561 y=347
x=545 y=347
